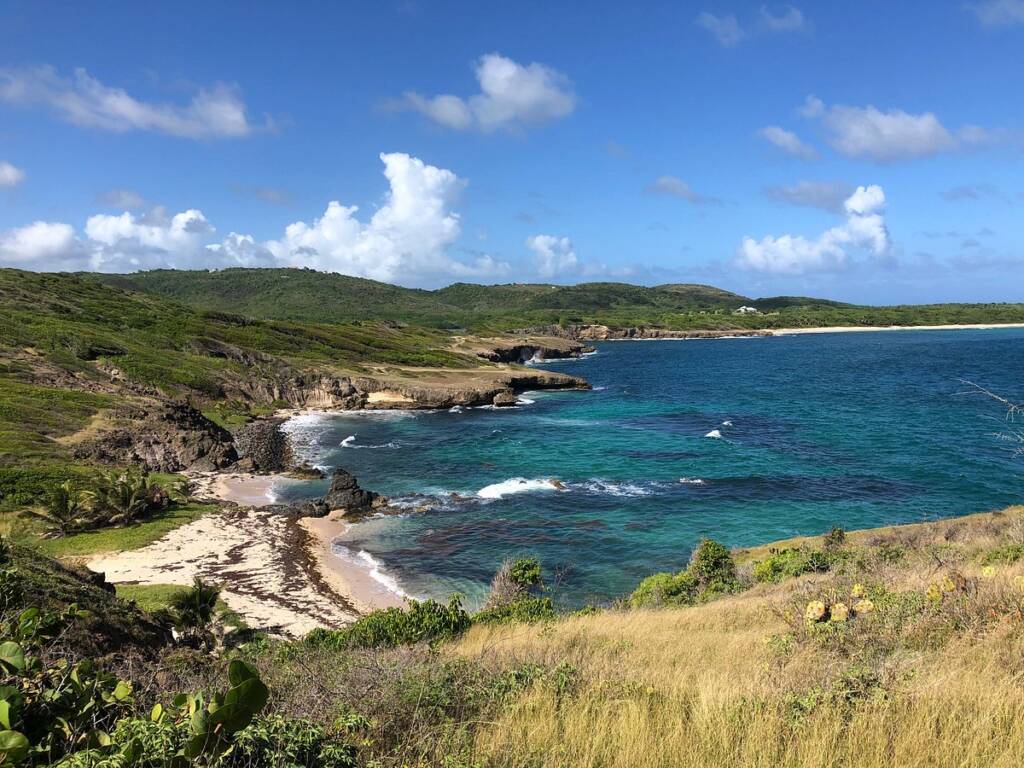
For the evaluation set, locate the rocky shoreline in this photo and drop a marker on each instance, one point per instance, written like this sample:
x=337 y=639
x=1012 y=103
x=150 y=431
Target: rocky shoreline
x=595 y=332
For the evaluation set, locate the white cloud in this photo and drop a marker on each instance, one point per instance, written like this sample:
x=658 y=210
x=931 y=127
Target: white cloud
x=552 y=255
x=215 y=112
x=788 y=142
x=790 y=20
x=999 y=13
x=127 y=199
x=826 y=195
x=43 y=244
x=408 y=239
x=511 y=96
x=864 y=228
x=890 y=135
x=676 y=187
x=728 y=30
x=10 y=176
x=725 y=29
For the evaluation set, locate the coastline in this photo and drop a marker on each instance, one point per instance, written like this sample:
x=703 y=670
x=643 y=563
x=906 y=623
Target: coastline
x=863 y=328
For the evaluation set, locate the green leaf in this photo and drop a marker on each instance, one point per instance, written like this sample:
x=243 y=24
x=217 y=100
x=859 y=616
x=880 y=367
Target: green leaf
x=14 y=747
x=157 y=713
x=239 y=672
x=122 y=691
x=12 y=655
x=5 y=714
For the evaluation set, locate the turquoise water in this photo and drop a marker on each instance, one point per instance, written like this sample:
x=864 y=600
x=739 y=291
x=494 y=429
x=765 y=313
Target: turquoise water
x=854 y=429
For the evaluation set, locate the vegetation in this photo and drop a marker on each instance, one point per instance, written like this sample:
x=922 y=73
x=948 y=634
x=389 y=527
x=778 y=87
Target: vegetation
x=309 y=296
x=711 y=573
x=427 y=621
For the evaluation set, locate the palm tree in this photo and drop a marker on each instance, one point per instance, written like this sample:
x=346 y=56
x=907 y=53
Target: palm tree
x=63 y=510
x=121 y=498
x=194 y=609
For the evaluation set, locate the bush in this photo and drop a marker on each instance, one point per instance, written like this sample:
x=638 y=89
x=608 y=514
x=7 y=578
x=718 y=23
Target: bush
x=425 y=621
x=515 y=581
x=789 y=563
x=711 y=573
x=528 y=610
x=1005 y=555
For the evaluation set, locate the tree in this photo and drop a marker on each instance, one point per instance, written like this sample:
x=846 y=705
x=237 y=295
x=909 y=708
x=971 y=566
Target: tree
x=64 y=509
x=193 y=610
x=121 y=498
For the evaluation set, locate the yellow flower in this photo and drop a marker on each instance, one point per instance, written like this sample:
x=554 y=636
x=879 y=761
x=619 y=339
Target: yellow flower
x=815 y=611
x=857 y=591
x=863 y=606
x=934 y=593
x=839 y=612
x=947 y=584
x=988 y=572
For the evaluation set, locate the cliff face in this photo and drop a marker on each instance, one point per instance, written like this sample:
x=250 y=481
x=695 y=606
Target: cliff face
x=526 y=348
x=606 y=333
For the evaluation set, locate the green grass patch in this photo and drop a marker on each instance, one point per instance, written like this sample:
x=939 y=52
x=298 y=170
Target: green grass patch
x=129 y=537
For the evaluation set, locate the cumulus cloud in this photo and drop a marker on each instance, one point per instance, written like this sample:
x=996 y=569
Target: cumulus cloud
x=725 y=29
x=999 y=13
x=127 y=199
x=552 y=255
x=826 y=195
x=889 y=135
x=512 y=96
x=676 y=187
x=788 y=142
x=729 y=31
x=406 y=240
x=864 y=228
x=10 y=176
x=81 y=99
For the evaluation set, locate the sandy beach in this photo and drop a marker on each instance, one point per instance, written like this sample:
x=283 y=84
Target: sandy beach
x=280 y=573
x=860 y=328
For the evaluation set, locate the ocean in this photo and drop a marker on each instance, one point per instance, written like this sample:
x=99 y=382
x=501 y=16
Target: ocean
x=741 y=440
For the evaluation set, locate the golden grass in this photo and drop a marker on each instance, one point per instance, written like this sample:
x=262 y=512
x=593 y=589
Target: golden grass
x=702 y=686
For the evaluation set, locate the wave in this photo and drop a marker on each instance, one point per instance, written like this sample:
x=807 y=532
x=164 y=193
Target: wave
x=378 y=574
x=692 y=481
x=350 y=442
x=727 y=423
x=455 y=409
x=714 y=434
x=614 y=488
x=518 y=485
x=524 y=401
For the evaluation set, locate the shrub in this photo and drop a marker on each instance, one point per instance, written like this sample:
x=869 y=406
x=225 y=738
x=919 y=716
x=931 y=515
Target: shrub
x=528 y=610
x=425 y=621
x=514 y=581
x=789 y=563
x=1005 y=555
x=711 y=573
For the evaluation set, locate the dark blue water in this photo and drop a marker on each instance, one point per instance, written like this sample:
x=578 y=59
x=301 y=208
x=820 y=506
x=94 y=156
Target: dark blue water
x=854 y=429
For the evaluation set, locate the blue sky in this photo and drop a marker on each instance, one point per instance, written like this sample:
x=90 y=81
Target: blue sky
x=867 y=152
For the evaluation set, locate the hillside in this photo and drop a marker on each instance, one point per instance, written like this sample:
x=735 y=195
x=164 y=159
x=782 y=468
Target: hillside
x=90 y=372
x=305 y=295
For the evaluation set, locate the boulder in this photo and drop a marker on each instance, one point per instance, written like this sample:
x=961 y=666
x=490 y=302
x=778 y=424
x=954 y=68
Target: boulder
x=345 y=493
x=264 y=443
x=505 y=400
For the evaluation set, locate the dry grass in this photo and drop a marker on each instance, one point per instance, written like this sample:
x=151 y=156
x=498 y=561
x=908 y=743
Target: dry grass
x=708 y=686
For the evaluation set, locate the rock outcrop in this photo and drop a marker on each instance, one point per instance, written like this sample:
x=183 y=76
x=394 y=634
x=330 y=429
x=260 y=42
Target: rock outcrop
x=264 y=446
x=605 y=333
x=524 y=349
x=505 y=400
x=161 y=437
x=344 y=493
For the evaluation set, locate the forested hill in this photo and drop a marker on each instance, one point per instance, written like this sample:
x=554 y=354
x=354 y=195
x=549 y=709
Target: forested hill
x=310 y=296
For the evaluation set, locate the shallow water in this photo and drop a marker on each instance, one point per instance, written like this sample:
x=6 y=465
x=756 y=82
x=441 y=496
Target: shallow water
x=742 y=440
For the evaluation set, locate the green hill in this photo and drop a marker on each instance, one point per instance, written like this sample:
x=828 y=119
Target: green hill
x=309 y=296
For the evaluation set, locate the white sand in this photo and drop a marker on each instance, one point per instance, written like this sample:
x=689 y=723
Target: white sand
x=860 y=328
x=258 y=558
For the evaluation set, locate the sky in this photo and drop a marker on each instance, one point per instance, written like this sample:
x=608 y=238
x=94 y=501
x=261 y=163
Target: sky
x=868 y=152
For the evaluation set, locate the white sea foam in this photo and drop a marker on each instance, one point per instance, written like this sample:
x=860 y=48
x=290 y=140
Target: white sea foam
x=517 y=485
x=691 y=481
x=378 y=574
x=714 y=434
x=455 y=409
x=727 y=423
x=350 y=442
x=525 y=401
x=620 y=489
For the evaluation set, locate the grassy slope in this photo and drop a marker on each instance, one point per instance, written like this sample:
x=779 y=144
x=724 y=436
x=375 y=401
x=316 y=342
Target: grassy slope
x=311 y=296
x=742 y=681
x=60 y=333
